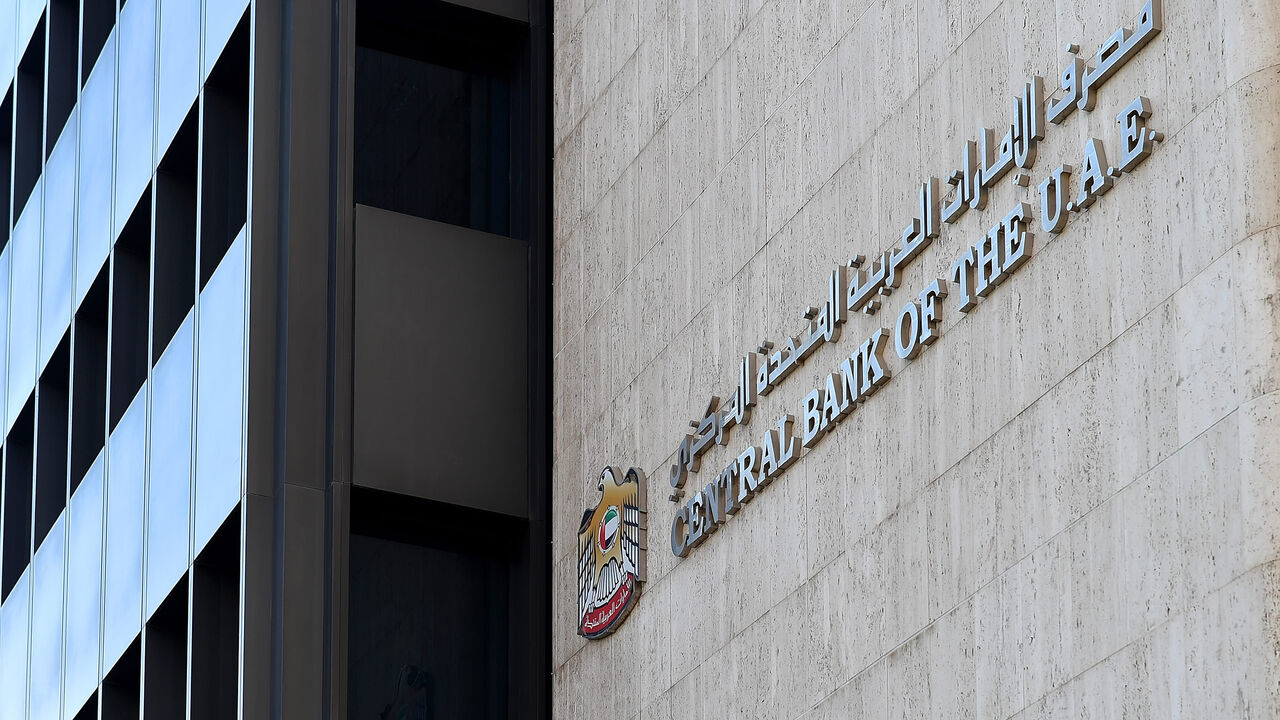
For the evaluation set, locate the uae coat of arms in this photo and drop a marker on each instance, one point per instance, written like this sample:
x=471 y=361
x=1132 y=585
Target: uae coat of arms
x=611 y=547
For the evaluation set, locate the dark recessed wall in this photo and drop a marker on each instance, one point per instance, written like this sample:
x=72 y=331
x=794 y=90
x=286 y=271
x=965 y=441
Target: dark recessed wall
x=441 y=362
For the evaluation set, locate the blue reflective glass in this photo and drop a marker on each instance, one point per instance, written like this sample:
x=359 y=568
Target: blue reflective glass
x=46 y=624
x=24 y=304
x=169 y=484
x=84 y=586
x=28 y=17
x=55 y=267
x=137 y=100
x=126 y=460
x=179 y=65
x=220 y=393
x=93 y=202
x=13 y=650
x=8 y=14
x=5 y=261
x=220 y=19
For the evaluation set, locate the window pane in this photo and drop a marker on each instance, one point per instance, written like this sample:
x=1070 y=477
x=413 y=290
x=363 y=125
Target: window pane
x=220 y=19
x=169 y=486
x=125 y=467
x=24 y=301
x=46 y=624
x=432 y=141
x=424 y=652
x=84 y=586
x=137 y=87
x=29 y=12
x=59 y=204
x=220 y=388
x=5 y=261
x=8 y=13
x=179 y=64
x=13 y=651
x=93 y=202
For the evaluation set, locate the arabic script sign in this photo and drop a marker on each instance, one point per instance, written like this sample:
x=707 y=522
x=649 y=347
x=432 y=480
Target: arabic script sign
x=863 y=286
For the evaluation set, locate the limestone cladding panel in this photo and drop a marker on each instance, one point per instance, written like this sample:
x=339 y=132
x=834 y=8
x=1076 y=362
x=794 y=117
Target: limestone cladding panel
x=1067 y=507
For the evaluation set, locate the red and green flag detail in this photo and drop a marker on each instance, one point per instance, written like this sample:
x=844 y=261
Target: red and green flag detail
x=608 y=531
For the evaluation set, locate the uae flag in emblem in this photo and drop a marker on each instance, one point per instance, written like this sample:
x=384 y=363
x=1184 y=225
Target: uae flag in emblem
x=608 y=529
x=611 y=538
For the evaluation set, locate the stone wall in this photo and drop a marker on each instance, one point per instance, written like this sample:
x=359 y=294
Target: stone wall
x=1069 y=506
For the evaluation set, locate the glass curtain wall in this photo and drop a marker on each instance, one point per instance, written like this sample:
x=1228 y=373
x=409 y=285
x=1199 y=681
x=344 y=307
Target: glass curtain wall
x=124 y=130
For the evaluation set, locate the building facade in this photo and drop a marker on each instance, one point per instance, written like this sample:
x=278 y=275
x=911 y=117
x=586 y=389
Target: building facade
x=657 y=359
x=1050 y=492
x=276 y=284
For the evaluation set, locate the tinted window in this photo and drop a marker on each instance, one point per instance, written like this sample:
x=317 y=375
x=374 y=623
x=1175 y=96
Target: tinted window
x=436 y=92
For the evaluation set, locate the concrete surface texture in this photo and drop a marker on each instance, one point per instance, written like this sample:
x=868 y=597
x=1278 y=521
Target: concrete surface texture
x=1067 y=507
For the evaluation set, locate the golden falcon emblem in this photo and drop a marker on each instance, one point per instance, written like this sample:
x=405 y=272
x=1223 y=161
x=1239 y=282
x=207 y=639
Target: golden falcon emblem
x=611 y=549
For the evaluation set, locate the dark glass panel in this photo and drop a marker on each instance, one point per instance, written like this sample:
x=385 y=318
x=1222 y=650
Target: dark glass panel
x=19 y=452
x=29 y=130
x=99 y=18
x=90 y=709
x=438 y=95
x=58 y=252
x=429 y=628
x=121 y=688
x=215 y=584
x=225 y=152
x=24 y=308
x=51 y=440
x=64 y=45
x=89 y=388
x=175 y=246
x=6 y=158
x=166 y=664
x=130 y=290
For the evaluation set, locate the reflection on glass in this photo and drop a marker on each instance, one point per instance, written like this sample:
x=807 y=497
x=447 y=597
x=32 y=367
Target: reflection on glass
x=55 y=267
x=93 y=202
x=84 y=586
x=28 y=16
x=179 y=64
x=5 y=258
x=220 y=20
x=126 y=456
x=24 y=301
x=13 y=651
x=137 y=87
x=169 y=486
x=8 y=12
x=220 y=388
x=46 y=623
